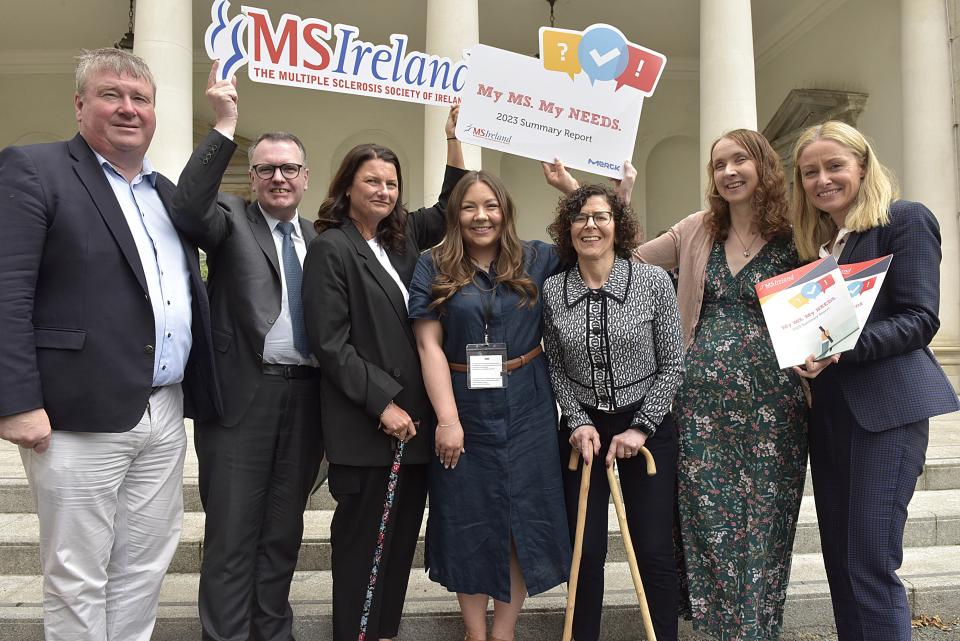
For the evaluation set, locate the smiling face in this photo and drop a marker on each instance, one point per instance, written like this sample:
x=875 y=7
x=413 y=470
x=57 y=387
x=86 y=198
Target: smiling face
x=831 y=175
x=116 y=117
x=374 y=191
x=278 y=196
x=591 y=240
x=734 y=172
x=481 y=221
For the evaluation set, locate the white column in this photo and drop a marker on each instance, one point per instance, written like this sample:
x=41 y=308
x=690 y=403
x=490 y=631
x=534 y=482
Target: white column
x=452 y=26
x=728 y=98
x=162 y=37
x=929 y=152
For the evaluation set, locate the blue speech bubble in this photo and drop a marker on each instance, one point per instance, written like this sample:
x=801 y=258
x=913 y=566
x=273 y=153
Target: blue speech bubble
x=603 y=53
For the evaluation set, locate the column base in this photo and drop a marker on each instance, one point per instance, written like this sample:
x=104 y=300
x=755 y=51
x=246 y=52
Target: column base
x=948 y=354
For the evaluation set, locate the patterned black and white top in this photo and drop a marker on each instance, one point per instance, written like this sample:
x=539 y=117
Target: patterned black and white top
x=618 y=348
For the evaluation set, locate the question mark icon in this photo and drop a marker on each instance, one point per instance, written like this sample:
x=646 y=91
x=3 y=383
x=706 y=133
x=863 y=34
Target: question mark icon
x=563 y=50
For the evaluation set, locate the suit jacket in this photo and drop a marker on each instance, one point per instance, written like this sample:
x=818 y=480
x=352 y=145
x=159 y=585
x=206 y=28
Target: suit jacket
x=75 y=315
x=359 y=329
x=244 y=269
x=891 y=378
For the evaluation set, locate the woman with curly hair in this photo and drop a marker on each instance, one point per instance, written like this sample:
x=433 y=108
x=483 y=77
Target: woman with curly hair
x=742 y=420
x=496 y=526
x=613 y=340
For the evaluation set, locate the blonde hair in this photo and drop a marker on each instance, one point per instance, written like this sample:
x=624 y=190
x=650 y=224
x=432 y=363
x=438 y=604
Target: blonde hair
x=813 y=227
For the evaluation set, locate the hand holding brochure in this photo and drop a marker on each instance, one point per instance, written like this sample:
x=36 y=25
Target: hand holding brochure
x=819 y=308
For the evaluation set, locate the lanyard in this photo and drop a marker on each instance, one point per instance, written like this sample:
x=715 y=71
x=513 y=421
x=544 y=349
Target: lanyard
x=487 y=306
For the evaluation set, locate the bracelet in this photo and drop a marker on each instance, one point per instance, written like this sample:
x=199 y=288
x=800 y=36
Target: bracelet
x=450 y=424
x=452 y=138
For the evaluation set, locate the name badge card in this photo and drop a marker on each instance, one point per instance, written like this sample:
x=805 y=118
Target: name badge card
x=486 y=365
x=581 y=102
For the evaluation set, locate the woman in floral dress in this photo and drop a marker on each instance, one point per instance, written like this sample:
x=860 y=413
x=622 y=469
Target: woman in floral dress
x=742 y=420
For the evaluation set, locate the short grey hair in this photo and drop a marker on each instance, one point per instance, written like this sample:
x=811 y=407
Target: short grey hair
x=120 y=62
x=276 y=136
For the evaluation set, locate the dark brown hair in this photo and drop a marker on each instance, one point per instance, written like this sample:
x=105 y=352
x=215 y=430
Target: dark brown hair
x=335 y=209
x=626 y=231
x=769 y=199
x=453 y=265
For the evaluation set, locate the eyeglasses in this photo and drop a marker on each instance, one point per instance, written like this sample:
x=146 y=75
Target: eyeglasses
x=600 y=218
x=288 y=170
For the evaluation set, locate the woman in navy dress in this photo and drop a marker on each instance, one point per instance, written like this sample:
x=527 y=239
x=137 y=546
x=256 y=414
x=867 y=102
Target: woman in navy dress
x=497 y=526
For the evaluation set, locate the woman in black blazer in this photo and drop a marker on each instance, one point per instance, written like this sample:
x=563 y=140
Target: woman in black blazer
x=356 y=275
x=871 y=408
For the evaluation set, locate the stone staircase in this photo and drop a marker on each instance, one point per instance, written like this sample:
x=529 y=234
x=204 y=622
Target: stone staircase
x=931 y=567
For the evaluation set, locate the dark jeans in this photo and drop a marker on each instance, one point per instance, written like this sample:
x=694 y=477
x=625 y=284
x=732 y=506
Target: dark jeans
x=648 y=501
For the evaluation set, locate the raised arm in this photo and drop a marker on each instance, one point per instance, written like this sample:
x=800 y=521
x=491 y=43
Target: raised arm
x=196 y=212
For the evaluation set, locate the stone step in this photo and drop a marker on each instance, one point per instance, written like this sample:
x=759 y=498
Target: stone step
x=934 y=520
x=941 y=471
x=431 y=613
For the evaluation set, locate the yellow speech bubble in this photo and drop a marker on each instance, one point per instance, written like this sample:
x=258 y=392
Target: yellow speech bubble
x=558 y=50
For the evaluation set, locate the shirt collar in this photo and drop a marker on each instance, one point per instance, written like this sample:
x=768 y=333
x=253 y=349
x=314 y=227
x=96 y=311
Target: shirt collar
x=838 y=243
x=146 y=170
x=616 y=287
x=273 y=222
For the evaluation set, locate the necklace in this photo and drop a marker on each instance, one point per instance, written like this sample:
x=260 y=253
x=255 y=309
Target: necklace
x=746 y=249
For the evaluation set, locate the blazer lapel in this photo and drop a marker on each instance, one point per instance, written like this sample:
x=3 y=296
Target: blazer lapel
x=91 y=175
x=387 y=284
x=845 y=254
x=261 y=231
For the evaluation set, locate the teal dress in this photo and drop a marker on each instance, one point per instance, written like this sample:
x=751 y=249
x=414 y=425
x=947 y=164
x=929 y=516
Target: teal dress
x=743 y=455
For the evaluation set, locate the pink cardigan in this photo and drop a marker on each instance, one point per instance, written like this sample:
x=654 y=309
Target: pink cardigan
x=687 y=246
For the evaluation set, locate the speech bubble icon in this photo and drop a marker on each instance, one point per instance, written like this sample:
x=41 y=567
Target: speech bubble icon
x=643 y=69
x=602 y=52
x=558 y=50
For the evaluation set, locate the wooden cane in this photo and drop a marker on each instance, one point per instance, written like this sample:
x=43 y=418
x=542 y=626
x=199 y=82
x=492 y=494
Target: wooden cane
x=628 y=543
x=577 y=543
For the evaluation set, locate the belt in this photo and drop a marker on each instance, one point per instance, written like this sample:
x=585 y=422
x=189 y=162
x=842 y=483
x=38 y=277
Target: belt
x=290 y=371
x=512 y=364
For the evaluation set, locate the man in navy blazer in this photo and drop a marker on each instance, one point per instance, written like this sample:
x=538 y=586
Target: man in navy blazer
x=106 y=331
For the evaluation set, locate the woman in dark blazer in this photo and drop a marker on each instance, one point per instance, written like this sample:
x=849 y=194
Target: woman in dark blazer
x=356 y=275
x=871 y=408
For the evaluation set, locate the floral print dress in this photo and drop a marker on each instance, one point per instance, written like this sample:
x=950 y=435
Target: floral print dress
x=743 y=453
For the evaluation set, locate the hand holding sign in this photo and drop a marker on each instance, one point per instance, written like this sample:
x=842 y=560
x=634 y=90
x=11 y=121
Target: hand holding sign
x=222 y=95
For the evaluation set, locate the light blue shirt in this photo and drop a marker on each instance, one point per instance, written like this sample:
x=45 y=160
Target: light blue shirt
x=164 y=265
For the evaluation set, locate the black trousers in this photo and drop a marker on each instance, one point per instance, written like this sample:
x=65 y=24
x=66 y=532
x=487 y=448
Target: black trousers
x=360 y=493
x=648 y=501
x=863 y=482
x=255 y=479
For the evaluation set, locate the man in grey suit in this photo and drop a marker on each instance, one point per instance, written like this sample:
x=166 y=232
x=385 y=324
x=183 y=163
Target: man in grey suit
x=259 y=461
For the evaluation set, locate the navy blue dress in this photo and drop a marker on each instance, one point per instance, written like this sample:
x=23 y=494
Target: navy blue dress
x=508 y=480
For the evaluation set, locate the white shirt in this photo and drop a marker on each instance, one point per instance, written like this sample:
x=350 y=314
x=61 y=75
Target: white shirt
x=278 y=345
x=381 y=255
x=838 y=244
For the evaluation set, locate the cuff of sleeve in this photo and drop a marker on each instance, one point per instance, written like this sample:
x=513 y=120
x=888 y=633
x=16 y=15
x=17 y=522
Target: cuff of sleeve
x=578 y=420
x=643 y=423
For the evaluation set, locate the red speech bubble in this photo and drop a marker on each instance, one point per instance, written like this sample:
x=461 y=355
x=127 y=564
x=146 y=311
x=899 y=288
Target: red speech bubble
x=643 y=69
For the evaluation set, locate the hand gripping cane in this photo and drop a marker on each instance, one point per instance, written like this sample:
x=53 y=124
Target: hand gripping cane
x=624 y=533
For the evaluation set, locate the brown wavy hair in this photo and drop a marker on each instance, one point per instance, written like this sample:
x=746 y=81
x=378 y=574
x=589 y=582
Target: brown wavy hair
x=335 y=209
x=769 y=199
x=454 y=267
x=626 y=232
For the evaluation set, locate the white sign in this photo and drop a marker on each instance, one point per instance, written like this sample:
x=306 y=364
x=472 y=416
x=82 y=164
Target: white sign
x=512 y=104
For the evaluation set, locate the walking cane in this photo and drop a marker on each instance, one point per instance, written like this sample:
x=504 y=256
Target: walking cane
x=577 y=542
x=381 y=535
x=614 y=484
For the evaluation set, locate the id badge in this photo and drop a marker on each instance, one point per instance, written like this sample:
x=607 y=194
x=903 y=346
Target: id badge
x=486 y=365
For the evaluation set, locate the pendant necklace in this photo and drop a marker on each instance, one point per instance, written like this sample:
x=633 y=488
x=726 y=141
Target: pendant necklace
x=746 y=248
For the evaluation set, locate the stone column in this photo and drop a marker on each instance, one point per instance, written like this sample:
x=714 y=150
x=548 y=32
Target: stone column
x=929 y=152
x=452 y=26
x=728 y=98
x=162 y=37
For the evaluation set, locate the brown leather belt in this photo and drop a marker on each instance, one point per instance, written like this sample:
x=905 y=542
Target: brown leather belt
x=512 y=364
